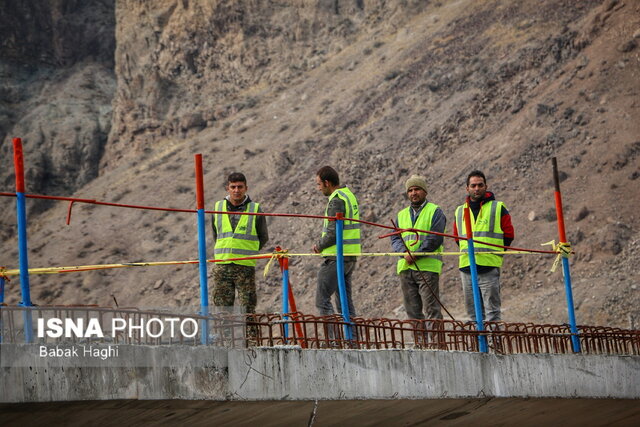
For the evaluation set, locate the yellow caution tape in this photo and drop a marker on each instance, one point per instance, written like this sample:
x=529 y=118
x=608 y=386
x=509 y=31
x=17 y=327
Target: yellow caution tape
x=3 y=274
x=563 y=249
x=274 y=255
x=69 y=269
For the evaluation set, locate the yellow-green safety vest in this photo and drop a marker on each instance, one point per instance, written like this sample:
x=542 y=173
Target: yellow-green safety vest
x=351 y=234
x=238 y=243
x=431 y=263
x=486 y=228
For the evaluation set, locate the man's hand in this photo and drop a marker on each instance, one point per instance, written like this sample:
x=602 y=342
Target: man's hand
x=315 y=249
x=409 y=258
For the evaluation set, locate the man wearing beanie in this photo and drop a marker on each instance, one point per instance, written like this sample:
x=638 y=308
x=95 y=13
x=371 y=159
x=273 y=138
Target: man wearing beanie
x=490 y=223
x=420 y=275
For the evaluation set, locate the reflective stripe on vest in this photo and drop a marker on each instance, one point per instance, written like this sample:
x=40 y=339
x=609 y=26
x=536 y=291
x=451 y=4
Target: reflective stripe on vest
x=351 y=234
x=238 y=243
x=431 y=263
x=486 y=228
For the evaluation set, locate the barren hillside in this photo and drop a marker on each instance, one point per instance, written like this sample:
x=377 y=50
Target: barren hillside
x=380 y=90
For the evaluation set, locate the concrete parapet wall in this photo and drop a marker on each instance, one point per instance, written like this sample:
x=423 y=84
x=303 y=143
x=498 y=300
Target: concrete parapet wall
x=277 y=374
x=192 y=373
x=152 y=372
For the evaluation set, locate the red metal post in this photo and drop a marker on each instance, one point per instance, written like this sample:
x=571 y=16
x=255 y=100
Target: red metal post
x=18 y=162
x=199 y=182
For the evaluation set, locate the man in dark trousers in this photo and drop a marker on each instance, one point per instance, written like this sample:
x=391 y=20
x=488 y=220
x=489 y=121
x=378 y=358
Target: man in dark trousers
x=490 y=223
x=341 y=200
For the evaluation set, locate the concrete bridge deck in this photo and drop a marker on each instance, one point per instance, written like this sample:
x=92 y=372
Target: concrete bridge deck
x=447 y=412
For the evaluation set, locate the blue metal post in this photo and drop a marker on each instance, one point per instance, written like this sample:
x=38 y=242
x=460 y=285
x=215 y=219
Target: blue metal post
x=22 y=250
x=2 y=282
x=204 y=290
x=202 y=251
x=342 y=288
x=477 y=298
x=285 y=297
x=18 y=160
x=575 y=340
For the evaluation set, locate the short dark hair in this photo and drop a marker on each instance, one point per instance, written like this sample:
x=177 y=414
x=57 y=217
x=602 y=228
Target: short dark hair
x=477 y=173
x=327 y=173
x=237 y=177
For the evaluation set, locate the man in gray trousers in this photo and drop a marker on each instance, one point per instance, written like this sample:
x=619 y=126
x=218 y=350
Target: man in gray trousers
x=341 y=200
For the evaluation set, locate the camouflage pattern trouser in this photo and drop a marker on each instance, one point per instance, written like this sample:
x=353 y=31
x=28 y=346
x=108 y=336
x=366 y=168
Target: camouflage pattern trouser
x=231 y=277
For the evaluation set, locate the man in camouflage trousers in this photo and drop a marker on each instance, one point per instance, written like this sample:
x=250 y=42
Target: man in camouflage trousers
x=237 y=236
x=231 y=277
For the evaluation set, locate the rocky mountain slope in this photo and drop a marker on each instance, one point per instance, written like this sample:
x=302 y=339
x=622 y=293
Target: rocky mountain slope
x=379 y=90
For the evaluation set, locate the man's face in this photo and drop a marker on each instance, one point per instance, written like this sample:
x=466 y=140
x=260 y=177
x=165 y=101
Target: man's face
x=476 y=188
x=416 y=195
x=323 y=186
x=237 y=191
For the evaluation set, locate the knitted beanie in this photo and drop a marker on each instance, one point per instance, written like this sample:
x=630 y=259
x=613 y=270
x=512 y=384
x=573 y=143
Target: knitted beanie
x=416 y=181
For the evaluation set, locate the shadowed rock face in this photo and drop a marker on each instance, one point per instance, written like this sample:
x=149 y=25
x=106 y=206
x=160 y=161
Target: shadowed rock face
x=57 y=86
x=59 y=34
x=379 y=90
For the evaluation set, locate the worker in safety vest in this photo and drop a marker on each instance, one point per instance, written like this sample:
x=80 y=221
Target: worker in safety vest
x=491 y=223
x=420 y=275
x=341 y=200
x=237 y=236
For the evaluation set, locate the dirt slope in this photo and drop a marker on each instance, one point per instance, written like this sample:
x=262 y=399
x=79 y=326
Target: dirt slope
x=379 y=91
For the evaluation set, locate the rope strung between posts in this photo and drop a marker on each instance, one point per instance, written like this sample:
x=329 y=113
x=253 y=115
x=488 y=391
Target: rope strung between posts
x=561 y=249
x=331 y=218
